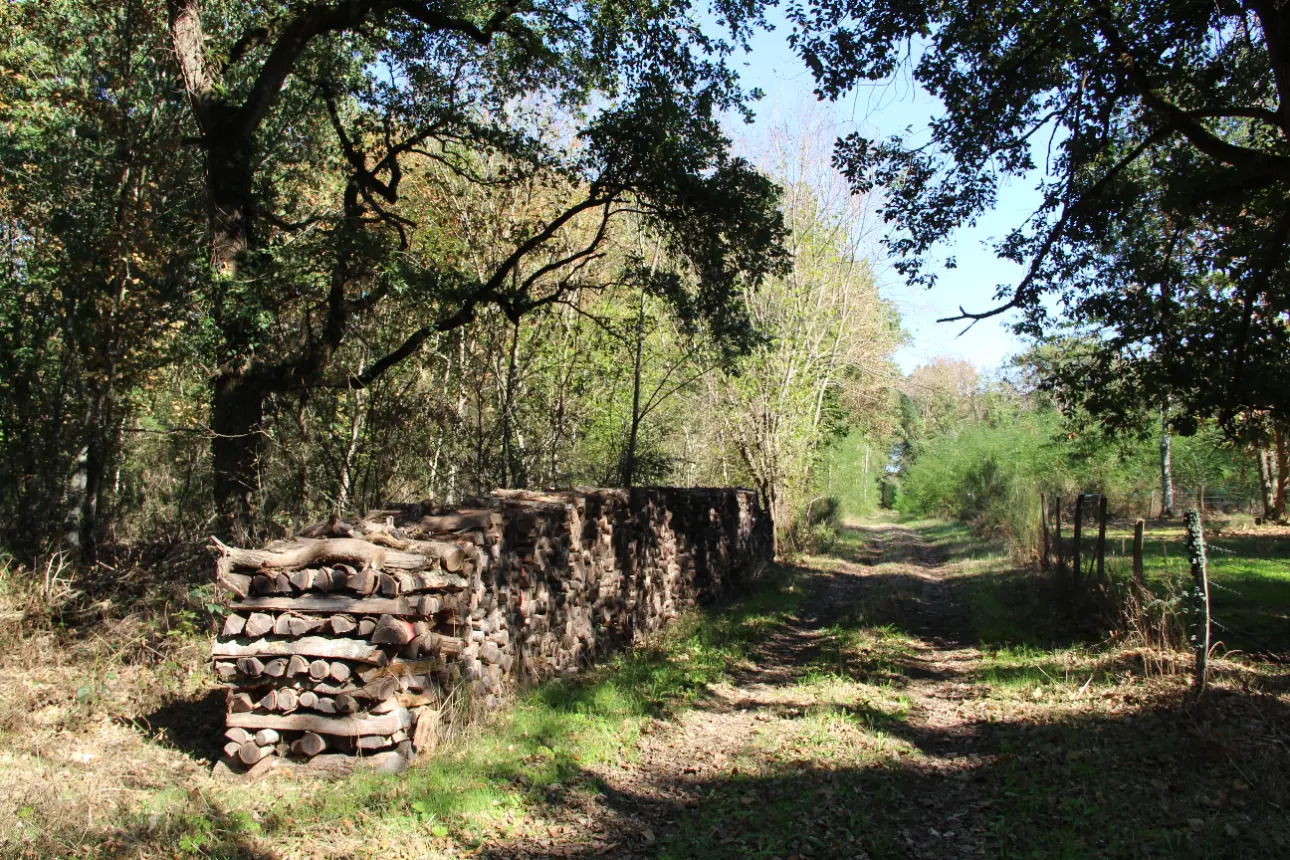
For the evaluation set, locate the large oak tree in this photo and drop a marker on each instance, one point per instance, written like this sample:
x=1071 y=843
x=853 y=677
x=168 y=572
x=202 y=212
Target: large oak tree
x=309 y=115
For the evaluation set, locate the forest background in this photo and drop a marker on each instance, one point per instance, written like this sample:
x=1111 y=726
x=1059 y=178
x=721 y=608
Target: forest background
x=400 y=347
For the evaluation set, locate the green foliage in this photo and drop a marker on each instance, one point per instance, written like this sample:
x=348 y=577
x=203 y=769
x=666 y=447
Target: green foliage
x=1161 y=234
x=849 y=470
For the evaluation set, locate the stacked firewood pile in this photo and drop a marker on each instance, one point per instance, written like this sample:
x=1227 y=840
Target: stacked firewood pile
x=354 y=640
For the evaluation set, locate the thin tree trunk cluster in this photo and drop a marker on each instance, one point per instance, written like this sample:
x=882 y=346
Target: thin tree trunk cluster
x=361 y=640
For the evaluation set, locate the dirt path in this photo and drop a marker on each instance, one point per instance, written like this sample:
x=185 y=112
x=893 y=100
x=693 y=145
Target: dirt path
x=699 y=780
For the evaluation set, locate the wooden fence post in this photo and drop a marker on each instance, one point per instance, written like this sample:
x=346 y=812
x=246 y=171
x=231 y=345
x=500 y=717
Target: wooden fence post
x=1101 y=539
x=1200 y=599
x=1057 y=524
x=1043 y=531
x=1079 y=528
x=1139 y=581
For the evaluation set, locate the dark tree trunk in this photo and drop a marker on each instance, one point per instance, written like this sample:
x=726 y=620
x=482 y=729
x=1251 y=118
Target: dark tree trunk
x=629 y=460
x=237 y=414
x=1267 y=484
x=1281 y=463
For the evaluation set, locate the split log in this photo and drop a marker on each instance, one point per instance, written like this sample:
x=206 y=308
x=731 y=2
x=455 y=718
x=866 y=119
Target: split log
x=234 y=625
x=364 y=581
x=276 y=668
x=392 y=631
x=231 y=749
x=239 y=736
x=430 y=581
x=342 y=624
x=238 y=583
x=307 y=646
x=327 y=603
x=339 y=672
x=303 y=579
x=258 y=624
x=350 y=727
x=240 y=703
x=250 y=666
x=288 y=699
x=297 y=665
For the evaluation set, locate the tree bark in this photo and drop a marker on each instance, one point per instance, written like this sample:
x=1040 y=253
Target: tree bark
x=1267 y=488
x=237 y=415
x=1166 y=470
x=629 y=460
x=1281 y=463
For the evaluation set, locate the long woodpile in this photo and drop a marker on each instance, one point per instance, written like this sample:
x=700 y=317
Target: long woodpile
x=351 y=640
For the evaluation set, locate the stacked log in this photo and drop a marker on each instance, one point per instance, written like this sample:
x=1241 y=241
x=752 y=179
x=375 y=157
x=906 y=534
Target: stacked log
x=347 y=641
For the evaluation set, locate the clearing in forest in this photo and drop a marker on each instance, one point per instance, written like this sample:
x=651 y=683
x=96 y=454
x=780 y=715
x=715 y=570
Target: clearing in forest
x=906 y=694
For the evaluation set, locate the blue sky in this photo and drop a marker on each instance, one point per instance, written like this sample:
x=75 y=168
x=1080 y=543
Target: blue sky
x=881 y=111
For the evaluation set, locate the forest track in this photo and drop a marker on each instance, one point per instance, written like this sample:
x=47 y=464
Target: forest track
x=744 y=740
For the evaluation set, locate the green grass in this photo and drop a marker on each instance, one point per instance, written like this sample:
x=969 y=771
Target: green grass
x=544 y=745
x=1249 y=581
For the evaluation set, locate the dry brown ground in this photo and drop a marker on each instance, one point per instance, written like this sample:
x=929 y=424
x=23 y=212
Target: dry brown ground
x=868 y=724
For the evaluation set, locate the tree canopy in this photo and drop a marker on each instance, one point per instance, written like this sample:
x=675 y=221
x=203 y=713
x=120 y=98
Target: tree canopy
x=1161 y=131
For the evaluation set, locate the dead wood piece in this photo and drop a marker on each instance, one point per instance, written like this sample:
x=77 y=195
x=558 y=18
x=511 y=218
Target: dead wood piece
x=319 y=669
x=250 y=666
x=258 y=624
x=250 y=752
x=345 y=704
x=238 y=583
x=349 y=727
x=392 y=631
x=303 y=579
x=364 y=581
x=461 y=521
x=431 y=581
x=309 y=745
x=319 y=552
x=234 y=624
x=342 y=624
x=297 y=665
x=276 y=668
x=240 y=736
x=374 y=742
x=267 y=737
x=328 y=604
x=288 y=699
x=307 y=646
x=240 y=703
x=339 y=672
